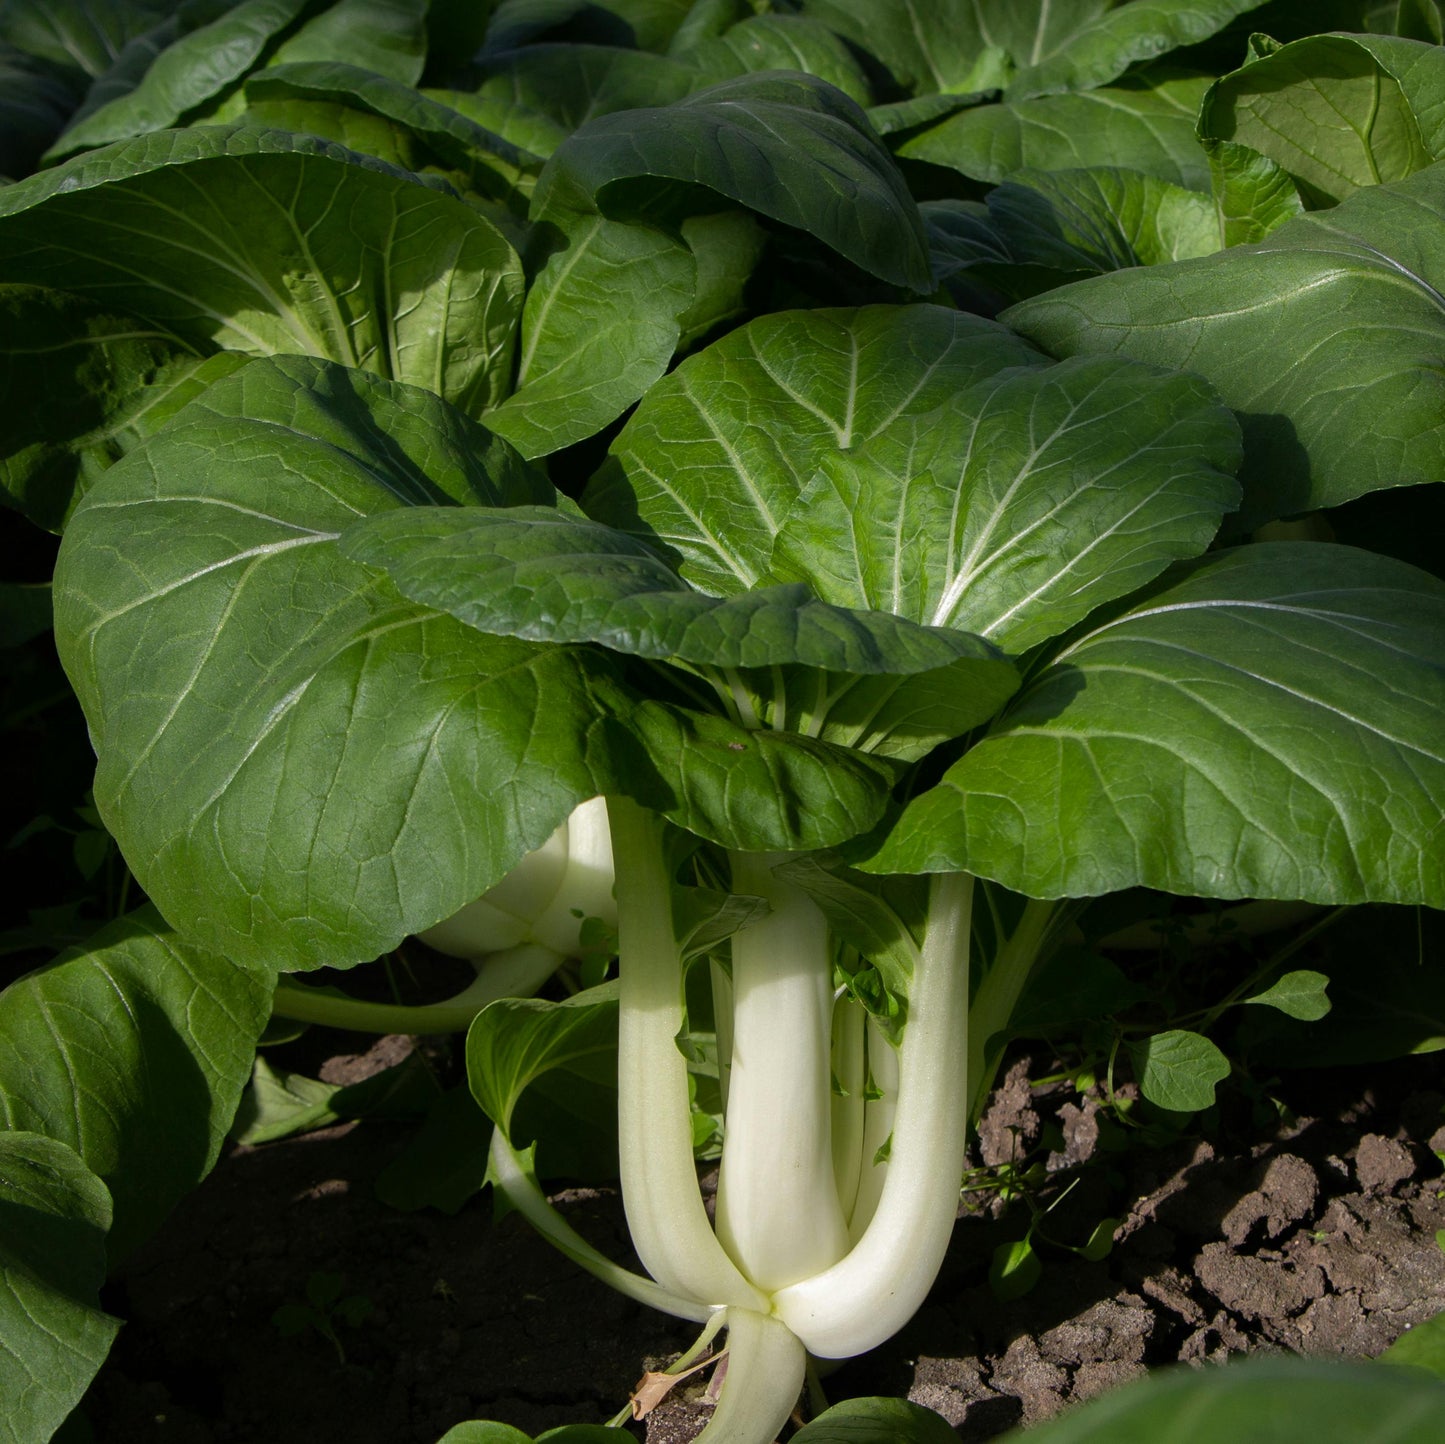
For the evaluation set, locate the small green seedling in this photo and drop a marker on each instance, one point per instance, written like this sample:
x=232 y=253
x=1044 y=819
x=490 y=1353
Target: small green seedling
x=323 y=1310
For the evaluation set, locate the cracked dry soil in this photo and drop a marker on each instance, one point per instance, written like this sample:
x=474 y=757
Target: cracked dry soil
x=1317 y=1237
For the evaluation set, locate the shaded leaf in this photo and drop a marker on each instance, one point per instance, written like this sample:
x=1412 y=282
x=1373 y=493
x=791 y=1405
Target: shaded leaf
x=384 y=36
x=1299 y=994
x=1178 y=1069
x=876 y=1421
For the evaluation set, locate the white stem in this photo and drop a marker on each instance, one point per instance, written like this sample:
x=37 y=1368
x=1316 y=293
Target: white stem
x=586 y=887
x=722 y=1011
x=765 y=1365
x=850 y=1075
x=878 y=1119
x=665 y=1212
x=778 y=1213
x=876 y=1288
x=508 y=1174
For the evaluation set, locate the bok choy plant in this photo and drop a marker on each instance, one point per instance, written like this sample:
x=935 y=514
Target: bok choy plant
x=868 y=615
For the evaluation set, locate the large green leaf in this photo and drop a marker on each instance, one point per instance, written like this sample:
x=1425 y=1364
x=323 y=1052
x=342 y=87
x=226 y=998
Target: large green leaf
x=1266 y=725
x=877 y=1421
x=82 y=36
x=780 y=42
x=646 y=24
x=385 y=36
x=133 y=1050
x=786 y=145
x=718 y=452
x=302 y=766
x=186 y=75
x=1336 y=112
x=531 y=572
x=1262 y=1400
x=266 y=242
x=1142 y=123
x=53 y=1336
x=34 y=104
x=1021 y=504
x=602 y=320
x=1329 y=411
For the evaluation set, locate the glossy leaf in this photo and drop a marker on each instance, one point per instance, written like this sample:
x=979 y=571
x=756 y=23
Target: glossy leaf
x=601 y=322
x=133 y=1050
x=785 y=145
x=780 y=42
x=1019 y=505
x=53 y=1334
x=266 y=242
x=196 y=69
x=877 y=1421
x=1142 y=126
x=745 y=423
x=1264 y=725
x=1336 y=112
x=531 y=572
x=1267 y=1400
x=384 y=36
x=1329 y=411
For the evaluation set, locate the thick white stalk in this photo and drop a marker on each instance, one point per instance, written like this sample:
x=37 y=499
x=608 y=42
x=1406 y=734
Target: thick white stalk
x=665 y=1212
x=875 y=1289
x=778 y=1213
x=850 y=1078
x=508 y=1174
x=587 y=882
x=765 y=1367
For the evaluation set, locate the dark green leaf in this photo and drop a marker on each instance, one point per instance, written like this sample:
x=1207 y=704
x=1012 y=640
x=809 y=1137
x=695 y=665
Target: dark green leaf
x=479 y=1431
x=1074 y=986
x=1014 y=1270
x=876 y=1421
x=786 y=145
x=385 y=36
x=1300 y=994
x=1329 y=411
x=53 y=1336
x=133 y=1051
x=445 y=1162
x=1266 y=725
x=34 y=105
x=1253 y=195
x=1178 y=1069
x=779 y=42
x=646 y=24
x=24 y=612
x=80 y=36
x=1422 y=1347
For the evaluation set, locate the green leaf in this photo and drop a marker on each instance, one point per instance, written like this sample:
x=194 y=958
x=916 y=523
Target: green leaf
x=1103 y=47
x=1336 y=112
x=385 y=36
x=1265 y=725
x=76 y=382
x=25 y=612
x=1140 y=124
x=1267 y=1400
x=1101 y=1240
x=1014 y=1270
x=1071 y=987
x=133 y=1050
x=1300 y=994
x=743 y=424
x=786 y=145
x=1253 y=195
x=646 y=24
x=1329 y=412
x=479 y=1431
x=1022 y=503
x=726 y=247
x=197 y=68
x=940 y=45
x=515 y=1041
x=83 y=37
x=534 y=573
x=779 y=42
x=53 y=1335
x=266 y=242
x=34 y=104
x=444 y=1163
x=602 y=320
x=1178 y=1069
x=877 y=1421
x=1421 y=1347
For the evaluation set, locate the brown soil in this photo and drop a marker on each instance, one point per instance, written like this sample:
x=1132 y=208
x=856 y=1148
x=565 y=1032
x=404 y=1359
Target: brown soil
x=1316 y=1235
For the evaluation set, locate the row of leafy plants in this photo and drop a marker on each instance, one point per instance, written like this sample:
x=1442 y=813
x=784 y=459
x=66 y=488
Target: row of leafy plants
x=926 y=467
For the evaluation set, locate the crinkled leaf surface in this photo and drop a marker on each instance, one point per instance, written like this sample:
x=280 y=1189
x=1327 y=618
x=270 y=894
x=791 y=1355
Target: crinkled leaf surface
x=1022 y=503
x=301 y=765
x=1252 y=194
x=1336 y=112
x=743 y=424
x=265 y=242
x=1267 y=1401
x=133 y=1050
x=1329 y=411
x=384 y=36
x=601 y=322
x=75 y=382
x=780 y=42
x=1266 y=725
x=184 y=76
x=786 y=145
x=1143 y=124
x=53 y=1336
x=532 y=572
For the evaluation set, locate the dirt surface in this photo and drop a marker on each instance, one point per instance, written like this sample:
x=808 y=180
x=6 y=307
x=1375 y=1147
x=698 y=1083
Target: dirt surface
x=1316 y=1235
